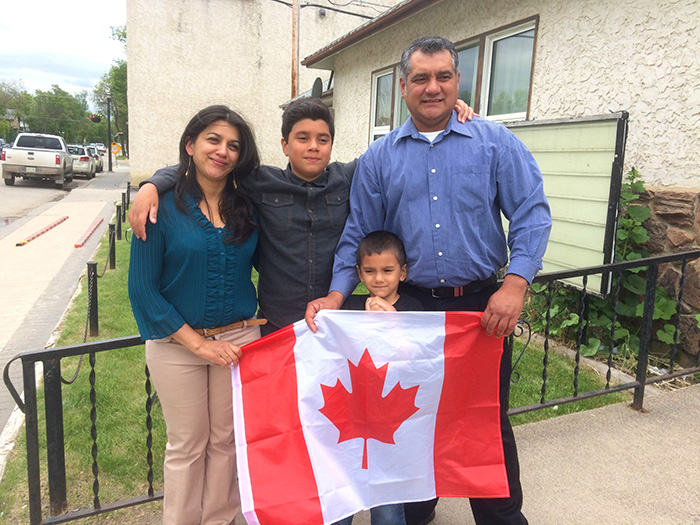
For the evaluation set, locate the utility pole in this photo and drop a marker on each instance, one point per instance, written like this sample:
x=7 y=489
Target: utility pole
x=295 y=48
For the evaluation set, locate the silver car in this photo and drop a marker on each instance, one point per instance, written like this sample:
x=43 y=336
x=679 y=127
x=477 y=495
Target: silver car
x=83 y=162
x=99 y=164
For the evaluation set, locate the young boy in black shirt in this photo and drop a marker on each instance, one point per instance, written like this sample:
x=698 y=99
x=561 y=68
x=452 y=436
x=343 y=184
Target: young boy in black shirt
x=381 y=266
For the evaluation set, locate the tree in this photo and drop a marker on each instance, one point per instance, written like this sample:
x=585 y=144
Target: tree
x=15 y=105
x=60 y=113
x=114 y=82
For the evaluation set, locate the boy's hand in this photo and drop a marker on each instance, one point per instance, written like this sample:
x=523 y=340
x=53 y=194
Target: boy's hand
x=377 y=304
x=464 y=112
x=145 y=206
x=333 y=301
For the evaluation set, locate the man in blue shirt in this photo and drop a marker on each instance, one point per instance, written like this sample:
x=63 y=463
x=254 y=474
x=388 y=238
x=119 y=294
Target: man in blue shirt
x=441 y=186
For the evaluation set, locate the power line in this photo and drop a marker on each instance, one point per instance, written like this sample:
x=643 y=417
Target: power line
x=326 y=7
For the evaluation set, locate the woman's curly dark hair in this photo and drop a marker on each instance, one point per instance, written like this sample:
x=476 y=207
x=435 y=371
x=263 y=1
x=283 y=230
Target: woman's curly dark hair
x=235 y=207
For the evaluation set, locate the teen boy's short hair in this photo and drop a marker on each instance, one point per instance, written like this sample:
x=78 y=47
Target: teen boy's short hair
x=303 y=108
x=379 y=242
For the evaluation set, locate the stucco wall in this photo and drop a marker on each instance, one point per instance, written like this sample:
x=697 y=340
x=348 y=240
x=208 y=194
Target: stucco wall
x=186 y=54
x=591 y=57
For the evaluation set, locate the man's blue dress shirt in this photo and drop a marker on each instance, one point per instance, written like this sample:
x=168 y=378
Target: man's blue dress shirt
x=444 y=200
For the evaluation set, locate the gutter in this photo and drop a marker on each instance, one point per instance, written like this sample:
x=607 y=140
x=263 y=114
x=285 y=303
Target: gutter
x=323 y=58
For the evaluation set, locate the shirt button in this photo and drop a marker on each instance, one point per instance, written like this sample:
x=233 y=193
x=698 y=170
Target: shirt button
x=439 y=254
x=442 y=281
x=437 y=225
x=432 y=171
x=308 y=211
x=277 y=199
x=432 y=145
x=435 y=197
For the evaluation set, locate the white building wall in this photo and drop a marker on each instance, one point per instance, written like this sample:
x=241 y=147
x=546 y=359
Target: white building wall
x=592 y=57
x=184 y=55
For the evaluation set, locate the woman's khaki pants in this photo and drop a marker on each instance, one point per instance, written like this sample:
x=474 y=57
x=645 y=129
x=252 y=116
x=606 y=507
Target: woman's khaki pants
x=200 y=457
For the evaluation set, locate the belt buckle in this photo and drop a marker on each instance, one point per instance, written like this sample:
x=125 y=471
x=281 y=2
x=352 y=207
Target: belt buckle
x=205 y=332
x=434 y=295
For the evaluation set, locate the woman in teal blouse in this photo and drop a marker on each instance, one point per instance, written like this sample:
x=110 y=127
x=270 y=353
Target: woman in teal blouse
x=194 y=302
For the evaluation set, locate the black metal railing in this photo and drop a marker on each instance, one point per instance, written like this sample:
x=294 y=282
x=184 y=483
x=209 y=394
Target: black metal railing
x=51 y=359
x=613 y=273
x=55 y=459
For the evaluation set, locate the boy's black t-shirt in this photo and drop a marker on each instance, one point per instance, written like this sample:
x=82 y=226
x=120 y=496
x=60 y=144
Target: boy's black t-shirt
x=405 y=303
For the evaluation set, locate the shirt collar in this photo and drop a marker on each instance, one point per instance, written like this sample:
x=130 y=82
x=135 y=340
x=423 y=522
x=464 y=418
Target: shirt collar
x=408 y=129
x=319 y=181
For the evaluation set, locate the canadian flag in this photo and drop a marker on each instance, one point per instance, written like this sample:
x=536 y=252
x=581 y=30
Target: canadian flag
x=374 y=408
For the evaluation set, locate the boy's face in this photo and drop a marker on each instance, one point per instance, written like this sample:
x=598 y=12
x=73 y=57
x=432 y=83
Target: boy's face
x=309 y=148
x=381 y=274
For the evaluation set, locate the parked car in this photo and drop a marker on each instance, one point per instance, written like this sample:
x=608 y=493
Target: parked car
x=99 y=163
x=101 y=148
x=37 y=156
x=83 y=162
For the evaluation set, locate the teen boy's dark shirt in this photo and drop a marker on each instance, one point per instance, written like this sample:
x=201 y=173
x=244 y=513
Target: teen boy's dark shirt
x=300 y=224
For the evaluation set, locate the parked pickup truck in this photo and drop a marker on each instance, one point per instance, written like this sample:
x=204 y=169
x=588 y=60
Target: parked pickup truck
x=37 y=156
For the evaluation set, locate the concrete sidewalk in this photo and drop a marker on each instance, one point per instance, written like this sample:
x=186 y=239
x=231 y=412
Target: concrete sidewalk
x=38 y=280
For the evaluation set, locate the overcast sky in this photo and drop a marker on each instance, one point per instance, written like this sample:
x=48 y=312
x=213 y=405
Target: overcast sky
x=69 y=43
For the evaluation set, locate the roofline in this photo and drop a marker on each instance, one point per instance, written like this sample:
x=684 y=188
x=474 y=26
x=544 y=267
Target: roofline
x=387 y=19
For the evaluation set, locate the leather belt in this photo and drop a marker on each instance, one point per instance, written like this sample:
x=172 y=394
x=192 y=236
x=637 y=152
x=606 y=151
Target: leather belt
x=446 y=292
x=208 y=332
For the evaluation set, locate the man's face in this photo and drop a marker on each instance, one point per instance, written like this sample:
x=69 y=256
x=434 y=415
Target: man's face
x=309 y=148
x=430 y=90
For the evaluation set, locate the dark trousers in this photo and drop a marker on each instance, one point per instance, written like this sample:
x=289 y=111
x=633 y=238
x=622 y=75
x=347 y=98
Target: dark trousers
x=487 y=511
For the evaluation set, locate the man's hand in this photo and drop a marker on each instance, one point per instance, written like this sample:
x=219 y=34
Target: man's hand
x=332 y=301
x=504 y=307
x=464 y=112
x=377 y=304
x=145 y=206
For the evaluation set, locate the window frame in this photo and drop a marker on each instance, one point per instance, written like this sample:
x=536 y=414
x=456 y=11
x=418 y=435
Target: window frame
x=486 y=66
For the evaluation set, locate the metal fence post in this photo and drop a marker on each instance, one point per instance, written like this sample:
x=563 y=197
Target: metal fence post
x=55 y=449
x=128 y=195
x=92 y=298
x=645 y=336
x=119 y=222
x=112 y=248
x=31 y=423
x=123 y=216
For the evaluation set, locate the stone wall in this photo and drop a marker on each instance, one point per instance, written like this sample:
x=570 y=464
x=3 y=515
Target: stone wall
x=674 y=226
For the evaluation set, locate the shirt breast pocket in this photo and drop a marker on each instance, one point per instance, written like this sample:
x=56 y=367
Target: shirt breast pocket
x=338 y=207
x=471 y=188
x=276 y=210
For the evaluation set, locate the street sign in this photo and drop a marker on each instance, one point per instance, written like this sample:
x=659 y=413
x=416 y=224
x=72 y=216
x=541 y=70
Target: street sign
x=116 y=148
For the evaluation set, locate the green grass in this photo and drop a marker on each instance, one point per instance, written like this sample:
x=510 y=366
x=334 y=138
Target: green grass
x=121 y=416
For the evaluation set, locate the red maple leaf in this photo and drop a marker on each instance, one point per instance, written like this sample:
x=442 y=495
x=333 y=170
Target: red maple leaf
x=364 y=413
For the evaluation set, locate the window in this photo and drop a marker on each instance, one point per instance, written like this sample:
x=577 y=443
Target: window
x=508 y=58
x=495 y=70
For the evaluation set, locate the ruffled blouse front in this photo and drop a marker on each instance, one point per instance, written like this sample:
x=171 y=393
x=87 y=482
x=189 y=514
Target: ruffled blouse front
x=185 y=273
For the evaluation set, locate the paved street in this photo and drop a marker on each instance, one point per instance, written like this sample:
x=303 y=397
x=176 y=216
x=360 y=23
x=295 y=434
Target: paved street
x=39 y=279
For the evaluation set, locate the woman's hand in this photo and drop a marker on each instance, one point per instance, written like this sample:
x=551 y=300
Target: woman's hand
x=218 y=352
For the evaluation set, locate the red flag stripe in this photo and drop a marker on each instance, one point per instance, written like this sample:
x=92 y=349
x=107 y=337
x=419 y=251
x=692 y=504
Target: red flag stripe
x=469 y=407
x=281 y=475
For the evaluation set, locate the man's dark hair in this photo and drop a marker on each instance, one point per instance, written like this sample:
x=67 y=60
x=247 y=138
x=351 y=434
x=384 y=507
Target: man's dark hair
x=379 y=242
x=303 y=108
x=428 y=45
